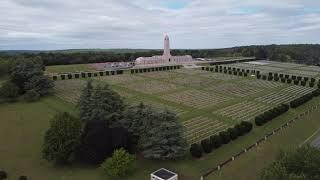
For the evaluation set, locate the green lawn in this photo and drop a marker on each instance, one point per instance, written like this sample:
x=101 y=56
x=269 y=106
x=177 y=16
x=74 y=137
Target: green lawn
x=69 y=68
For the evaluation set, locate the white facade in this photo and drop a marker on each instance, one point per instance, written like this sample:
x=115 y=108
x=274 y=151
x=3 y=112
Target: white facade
x=166 y=58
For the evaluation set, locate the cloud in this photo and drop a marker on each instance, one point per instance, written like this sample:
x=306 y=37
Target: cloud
x=61 y=24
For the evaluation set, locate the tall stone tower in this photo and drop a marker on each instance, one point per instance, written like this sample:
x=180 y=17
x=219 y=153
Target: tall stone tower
x=166 y=51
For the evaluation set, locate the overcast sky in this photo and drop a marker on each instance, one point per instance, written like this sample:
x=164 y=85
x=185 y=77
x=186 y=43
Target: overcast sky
x=77 y=24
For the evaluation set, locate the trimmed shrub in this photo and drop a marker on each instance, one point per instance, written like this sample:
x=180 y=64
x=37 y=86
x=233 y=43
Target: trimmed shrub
x=270 y=78
x=101 y=73
x=77 y=76
x=259 y=120
x=23 y=178
x=3 y=175
x=54 y=78
x=299 y=101
x=216 y=141
x=289 y=81
x=95 y=74
x=313 y=80
x=306 y=79
x=69 y=76
x=264 y=77
x=296 y=82
x=311 y=84
x=276 y=78
x=206 y=145
x=283 y=80
x=303 y=83
x=233 y=133
x=63 y=76
x=286 y=76
x=83 y=75
x=259 y=76
x=89 y=74
x=196 y=151
x=225 y=137
x=299 y=78
x=248 y=126
x=294 y=77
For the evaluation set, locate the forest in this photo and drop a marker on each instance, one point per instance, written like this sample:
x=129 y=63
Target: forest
x=297 y=53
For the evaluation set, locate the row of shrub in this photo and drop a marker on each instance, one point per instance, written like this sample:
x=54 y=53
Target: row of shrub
x=234 y=71
x=271 y=114
x=3 y=175
x=301 y=100
x=297 y=80
x=86 y=74
x=152 y=69
x=224 y=137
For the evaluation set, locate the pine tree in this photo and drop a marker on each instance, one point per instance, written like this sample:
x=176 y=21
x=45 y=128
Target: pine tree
x=161 y=137
x=108 y=105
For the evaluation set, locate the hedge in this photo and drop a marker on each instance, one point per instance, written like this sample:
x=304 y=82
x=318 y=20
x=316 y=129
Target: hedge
x=196 y=151
x=271 y=114
x=299 y=101
x=206 y=145
x=3 y=175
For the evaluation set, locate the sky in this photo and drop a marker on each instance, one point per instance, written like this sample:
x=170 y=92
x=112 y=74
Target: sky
x=190 y=24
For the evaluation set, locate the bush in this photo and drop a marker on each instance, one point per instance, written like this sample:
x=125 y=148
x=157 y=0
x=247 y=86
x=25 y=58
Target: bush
x=259 y=76
x=206 y=145
x=120 y=164
x=63 y=77
x=69 y=76
x=283 y=80
x=248 y=126
x=296 y=82
x=270 y=78
x=311 y=84
x=54 y=78
x=62 y=138
x=9 y=90
x=23 y=178
x=259 y=120
x=264 y=77
x=77 y=76
x=216 y=141
x=196 y=151
x=289 y=81
x=233 y=133
x=276 y=78
x=31 y=96
x=3 y=175
x=83 y=75
x=225 y=137
x=303 y=83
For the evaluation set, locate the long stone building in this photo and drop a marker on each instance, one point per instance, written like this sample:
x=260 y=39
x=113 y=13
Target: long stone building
x=166 y=58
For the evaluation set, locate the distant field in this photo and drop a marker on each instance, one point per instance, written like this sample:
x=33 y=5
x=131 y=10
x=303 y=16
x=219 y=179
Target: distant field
x=69 y=68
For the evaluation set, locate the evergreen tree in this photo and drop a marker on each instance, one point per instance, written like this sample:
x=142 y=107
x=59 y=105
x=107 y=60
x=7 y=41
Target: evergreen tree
x=100 y=104
x=161 y=137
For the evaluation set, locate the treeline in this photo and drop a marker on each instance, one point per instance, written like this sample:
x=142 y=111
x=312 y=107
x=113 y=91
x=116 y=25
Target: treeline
x=300 y=53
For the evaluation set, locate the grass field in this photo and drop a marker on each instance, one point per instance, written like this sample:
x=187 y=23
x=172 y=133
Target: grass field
x=199 y=105
x=69 y=68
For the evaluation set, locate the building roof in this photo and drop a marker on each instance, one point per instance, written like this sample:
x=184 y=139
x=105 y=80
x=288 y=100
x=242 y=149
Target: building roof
x=164 y=174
